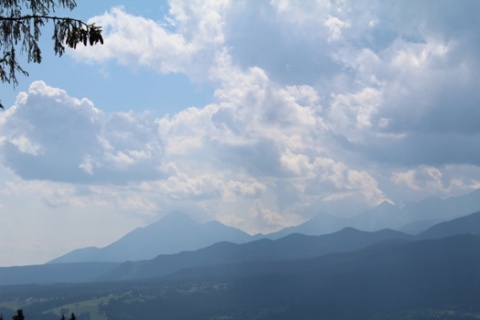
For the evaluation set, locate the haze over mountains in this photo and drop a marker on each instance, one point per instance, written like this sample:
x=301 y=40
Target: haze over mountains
x=178 y=232
x=348 y=274
x=290 y=248
x=412 y=218
x=174 y=233
x=294 y=246
x=177 y=242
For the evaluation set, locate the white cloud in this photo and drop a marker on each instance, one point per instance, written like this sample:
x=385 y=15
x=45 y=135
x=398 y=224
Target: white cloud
x=137 y=41
x=355 y=111
x=51 y=136
x=381 y=88
x=269 y=220
x=335 y=26
x=440 y=181
x=334 y=181
x=185 y=41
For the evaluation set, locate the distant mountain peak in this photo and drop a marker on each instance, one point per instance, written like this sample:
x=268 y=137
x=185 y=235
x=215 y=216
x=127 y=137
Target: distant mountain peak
x=386 y=204
x=174 y=233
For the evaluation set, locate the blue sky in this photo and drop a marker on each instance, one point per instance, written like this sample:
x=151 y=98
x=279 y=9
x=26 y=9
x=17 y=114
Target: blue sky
x=99 y=82
x=259 y=114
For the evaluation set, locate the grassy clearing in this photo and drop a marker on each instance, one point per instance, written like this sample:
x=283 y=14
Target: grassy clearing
x=15 y=304
x=90 y=307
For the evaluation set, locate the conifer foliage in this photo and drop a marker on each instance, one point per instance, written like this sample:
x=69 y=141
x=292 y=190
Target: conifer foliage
x=20 y=316
x=21 y=22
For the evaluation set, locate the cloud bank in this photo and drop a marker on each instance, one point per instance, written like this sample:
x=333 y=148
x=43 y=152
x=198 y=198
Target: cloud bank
x=319 y=106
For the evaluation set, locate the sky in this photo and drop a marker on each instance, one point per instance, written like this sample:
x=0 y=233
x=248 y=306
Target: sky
x=258 y=114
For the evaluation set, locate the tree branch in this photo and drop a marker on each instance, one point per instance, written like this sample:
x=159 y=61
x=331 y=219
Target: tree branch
x=35 y=16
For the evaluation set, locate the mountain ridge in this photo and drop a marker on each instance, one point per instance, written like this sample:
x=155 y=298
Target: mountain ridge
x=174 y=233
x=414 y=217
x=177 y=232
x=292 y=247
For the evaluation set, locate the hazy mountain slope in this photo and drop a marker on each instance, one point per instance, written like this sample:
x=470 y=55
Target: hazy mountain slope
x=469 y=224
x=295 y=246
x=417 y=216
x=394 y=254
x=412 y=218
x=174 y=233
x=380 y=217
x=418 y=227
x=55 y=273
x=323 y=223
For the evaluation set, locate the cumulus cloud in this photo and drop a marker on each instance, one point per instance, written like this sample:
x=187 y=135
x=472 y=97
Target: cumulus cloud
x=139 y=42
x=184 y=41
x=443 y=180
x=48 y=135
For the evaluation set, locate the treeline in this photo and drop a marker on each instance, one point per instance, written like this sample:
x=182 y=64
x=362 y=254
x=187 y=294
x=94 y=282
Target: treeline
x=20 y=316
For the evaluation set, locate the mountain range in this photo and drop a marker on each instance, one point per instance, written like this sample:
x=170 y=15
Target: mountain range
x=349 y=274
x=174 y=233
x=291 y=247
x=412 y=218
x=177 y=232
x=303 y=272
x=294 y=247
